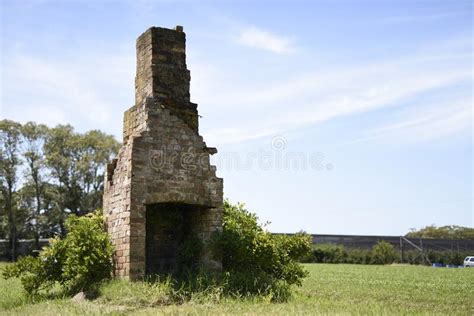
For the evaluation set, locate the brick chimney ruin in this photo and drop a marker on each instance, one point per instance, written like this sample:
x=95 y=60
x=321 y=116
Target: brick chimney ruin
x=161 y=192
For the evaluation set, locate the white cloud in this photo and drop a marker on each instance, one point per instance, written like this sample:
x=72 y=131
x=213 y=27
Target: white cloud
x=94 y=90
x=425 y=17
x=311 y=98
x=424 y=124
x=87 y=92
x=260 y=39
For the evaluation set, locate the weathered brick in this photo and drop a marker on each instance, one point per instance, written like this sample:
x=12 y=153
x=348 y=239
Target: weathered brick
x=163 y=160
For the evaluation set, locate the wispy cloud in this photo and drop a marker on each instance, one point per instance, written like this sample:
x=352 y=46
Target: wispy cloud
x=85 y=92
x=425 y=124
x=261 y=39
x=92 y=92
x=298 y=102
x=425 y=17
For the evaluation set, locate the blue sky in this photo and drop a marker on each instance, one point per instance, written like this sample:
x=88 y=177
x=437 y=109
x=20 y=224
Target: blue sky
x=343 y=117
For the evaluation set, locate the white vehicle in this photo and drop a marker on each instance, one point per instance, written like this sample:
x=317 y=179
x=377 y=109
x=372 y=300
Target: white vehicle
x=469 y=262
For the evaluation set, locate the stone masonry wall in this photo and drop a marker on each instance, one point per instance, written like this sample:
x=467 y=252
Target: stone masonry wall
x=163 y=159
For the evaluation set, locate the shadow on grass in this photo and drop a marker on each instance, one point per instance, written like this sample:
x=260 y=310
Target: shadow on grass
x=165 y=290
x=151 y=291
x=162 y=290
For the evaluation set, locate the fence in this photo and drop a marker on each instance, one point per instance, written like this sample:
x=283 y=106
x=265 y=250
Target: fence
x=367 y=242
x=25 y=247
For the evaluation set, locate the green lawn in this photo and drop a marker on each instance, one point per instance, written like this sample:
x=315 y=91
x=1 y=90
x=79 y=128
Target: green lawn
x=330 y=289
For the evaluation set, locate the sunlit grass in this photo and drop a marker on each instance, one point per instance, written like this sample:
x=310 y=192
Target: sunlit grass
x=346 y=289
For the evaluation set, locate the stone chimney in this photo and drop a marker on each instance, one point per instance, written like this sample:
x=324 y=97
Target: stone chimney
x=162 y=72
x=161 y=192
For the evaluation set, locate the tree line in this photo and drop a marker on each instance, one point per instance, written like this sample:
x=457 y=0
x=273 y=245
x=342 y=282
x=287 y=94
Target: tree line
x=443 y=232
x=48 y=173
x=45 y=175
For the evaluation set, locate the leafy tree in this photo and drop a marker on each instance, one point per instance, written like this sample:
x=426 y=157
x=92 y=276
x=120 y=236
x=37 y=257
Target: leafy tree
x=33 y=136
x=61 y=153
x=96 y=149
x=3 y=218
x=76 y=163
x=443 y=232
x=47 y=174
x=9 y=164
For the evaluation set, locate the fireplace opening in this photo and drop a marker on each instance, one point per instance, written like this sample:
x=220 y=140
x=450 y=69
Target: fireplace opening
x=172 y=244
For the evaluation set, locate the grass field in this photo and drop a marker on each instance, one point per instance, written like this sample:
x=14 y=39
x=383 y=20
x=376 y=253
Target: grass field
x=330 y=289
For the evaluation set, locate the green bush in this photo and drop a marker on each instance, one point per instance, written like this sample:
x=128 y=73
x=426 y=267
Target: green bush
x=359 y=256
x=383 y=253
x=331 y=253
x=77 y=262
x=254 y=260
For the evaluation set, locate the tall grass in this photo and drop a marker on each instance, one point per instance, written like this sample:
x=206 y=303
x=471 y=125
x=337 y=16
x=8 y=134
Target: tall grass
x=163 y=291
x=329 y=289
